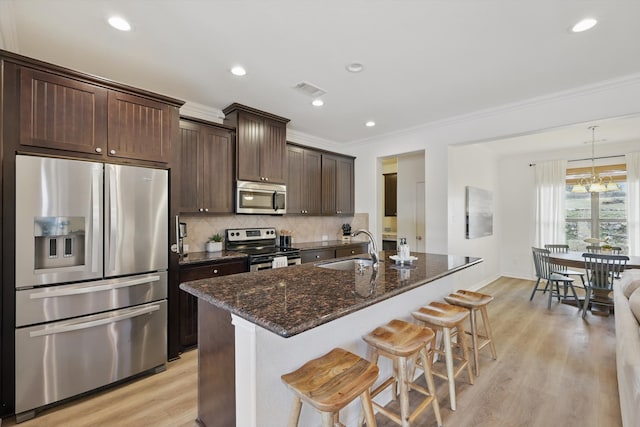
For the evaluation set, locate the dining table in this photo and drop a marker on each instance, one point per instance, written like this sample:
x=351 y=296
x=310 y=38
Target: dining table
x=601 y=302
x=574 y=259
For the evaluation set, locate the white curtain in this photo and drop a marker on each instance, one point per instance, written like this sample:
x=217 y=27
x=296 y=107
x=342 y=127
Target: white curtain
x=633 y=202
x=550 y=202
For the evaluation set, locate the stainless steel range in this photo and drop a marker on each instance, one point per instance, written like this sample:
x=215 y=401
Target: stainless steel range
x=260 y=245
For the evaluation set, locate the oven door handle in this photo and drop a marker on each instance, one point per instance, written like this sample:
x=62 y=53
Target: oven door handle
x=94 y=323
x=96 y=287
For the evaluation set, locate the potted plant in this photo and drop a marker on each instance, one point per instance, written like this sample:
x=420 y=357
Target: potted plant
x=606 y=248
x=214 y=244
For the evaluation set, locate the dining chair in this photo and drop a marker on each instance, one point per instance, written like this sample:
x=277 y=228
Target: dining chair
x=562 y=269
x=601 y=271
x=544 y=271
x=596 y=249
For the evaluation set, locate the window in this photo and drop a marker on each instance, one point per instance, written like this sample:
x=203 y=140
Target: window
x=600 y=215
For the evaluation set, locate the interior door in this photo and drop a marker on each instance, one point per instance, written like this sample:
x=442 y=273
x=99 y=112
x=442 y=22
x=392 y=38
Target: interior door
x=420 y=220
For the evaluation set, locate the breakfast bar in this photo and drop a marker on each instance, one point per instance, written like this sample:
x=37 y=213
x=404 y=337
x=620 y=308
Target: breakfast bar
x=254 y=327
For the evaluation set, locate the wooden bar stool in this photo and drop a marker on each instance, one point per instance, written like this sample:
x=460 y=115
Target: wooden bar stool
x=474 y=302
x=331 y=382
x=449 y=320
x=404 y=342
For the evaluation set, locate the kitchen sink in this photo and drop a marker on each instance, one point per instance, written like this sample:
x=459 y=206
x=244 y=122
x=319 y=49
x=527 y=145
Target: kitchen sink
x=348 y=264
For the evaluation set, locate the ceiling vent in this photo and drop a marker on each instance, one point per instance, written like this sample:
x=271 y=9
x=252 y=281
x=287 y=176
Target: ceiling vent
x=309 y=89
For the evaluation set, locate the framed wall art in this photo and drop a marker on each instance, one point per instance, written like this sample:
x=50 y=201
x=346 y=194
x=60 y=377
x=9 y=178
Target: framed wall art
x=479 y=212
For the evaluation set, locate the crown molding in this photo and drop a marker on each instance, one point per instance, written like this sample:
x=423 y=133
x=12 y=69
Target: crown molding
x=312 y=140
x=199 y=111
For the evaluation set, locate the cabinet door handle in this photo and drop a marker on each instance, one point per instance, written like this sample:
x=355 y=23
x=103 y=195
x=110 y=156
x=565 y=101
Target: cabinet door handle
x=200 y=210
x=112 y=152
x=98 y=150
x=215 y=271
x=353 y=252
x=317 y=256
x=206 y=209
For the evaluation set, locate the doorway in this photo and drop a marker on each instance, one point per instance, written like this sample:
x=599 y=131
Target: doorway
x=409 y=218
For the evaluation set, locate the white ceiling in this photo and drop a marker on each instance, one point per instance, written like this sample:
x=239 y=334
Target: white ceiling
x=424 y=60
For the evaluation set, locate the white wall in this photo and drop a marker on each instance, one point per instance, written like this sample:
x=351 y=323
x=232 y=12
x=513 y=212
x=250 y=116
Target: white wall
x=604 y=100
x=474 y=166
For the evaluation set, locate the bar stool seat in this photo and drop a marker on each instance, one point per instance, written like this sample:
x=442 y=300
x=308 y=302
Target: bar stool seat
x=404 y=342
x=331 y=382
x=449 y=320
x=474 y=302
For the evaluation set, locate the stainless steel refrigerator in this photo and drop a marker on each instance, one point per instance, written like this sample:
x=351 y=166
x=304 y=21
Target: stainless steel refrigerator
x=91 y=276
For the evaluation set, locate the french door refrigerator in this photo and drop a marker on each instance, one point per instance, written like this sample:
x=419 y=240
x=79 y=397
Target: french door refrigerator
x=91 y=276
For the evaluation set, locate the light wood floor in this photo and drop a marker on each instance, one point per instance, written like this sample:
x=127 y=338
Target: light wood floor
x=553 y=369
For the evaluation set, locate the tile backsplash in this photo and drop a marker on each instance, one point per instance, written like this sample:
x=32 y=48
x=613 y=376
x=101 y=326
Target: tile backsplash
x=305 y=229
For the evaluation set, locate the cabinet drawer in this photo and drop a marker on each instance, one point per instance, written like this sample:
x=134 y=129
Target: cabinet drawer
x=351 y=250
x=207 y=271
x=317 y=255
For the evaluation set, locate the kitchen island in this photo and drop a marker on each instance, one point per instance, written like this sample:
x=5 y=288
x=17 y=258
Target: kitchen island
x=254 y=327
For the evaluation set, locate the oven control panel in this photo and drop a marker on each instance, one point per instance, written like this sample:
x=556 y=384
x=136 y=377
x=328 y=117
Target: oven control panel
x=245 y=234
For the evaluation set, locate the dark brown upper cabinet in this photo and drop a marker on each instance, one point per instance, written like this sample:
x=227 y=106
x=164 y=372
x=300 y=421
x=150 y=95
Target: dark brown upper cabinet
x=62 y=113
x=67 y=112
x=390 y=194
x=262 y=145
x=139 y=128
x=206 y=164
x=337 y=185
x=304 y=182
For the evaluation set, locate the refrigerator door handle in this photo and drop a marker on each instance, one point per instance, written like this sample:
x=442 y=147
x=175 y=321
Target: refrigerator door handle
x=96 y=213
x=94 y=323
x=96 y=287
x=113 y=218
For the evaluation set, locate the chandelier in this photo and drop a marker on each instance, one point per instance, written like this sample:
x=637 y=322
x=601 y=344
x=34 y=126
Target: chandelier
x=594 y=183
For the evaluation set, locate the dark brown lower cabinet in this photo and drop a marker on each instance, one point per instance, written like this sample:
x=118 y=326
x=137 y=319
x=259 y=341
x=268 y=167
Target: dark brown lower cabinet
x=188 y=304
x=330 y=252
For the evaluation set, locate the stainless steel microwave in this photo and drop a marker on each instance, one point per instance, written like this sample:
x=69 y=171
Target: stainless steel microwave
x=260 y=198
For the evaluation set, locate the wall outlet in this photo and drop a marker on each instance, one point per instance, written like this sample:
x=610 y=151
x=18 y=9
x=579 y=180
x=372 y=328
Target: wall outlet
x=325 y=237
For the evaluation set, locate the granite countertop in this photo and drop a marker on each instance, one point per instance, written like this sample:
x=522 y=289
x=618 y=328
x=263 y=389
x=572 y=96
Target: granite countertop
x=288 y=301
x=202 y=257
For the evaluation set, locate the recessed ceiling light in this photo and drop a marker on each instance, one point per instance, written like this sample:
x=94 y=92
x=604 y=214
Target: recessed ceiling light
x=119 y=23
x=584 y=25
x=370 y=124
x=317 y=102
x=355 y=67
x=238 y=70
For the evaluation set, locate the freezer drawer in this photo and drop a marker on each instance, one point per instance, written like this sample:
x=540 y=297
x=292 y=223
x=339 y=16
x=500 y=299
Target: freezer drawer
x=63 y=359
x=52 y=303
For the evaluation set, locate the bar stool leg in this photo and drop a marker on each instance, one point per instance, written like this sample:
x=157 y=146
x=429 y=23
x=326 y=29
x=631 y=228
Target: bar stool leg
x=367 y=407
x=448 y=357
x=427 y=361
x=474 y=339
x=327 y=419
x=404 y=391
x=487 y=328
x=294 y=416
x=465 y=350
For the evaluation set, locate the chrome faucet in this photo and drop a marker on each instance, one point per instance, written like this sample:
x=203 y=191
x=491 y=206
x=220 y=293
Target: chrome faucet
x=373 y=248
